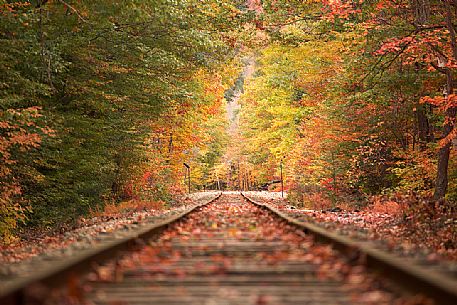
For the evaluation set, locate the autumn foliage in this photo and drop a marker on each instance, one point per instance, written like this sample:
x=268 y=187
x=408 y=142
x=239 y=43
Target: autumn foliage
x=130 y=91
x=20 y=133
x=354 y=99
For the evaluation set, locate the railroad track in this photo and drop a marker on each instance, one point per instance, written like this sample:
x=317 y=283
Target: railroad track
x=231 y=250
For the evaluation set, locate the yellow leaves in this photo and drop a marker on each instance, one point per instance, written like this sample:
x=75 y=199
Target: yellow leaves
x=287 y=107
x=119 y=69
x=233 y=232
x=185 y=130
x=280 y=124
x=114 y=98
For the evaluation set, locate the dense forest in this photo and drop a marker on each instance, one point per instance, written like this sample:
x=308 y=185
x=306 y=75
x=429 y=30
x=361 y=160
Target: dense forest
x=102 y=102
x=356 y=98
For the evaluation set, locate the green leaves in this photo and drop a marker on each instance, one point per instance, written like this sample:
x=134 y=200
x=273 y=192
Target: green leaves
x=104 y=72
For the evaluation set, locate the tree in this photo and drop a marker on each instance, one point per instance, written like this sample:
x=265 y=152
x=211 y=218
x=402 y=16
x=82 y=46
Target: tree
x=419 y=36
x=106 y=76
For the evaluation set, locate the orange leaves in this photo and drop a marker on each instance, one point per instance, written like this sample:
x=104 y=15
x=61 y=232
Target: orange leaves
x=395 y=45
x=442 y=102
x=182 y=129
x=20 y=131
x=25 y=140
x=339 y=9
x=437 y=101
x=6 y=8
x=449 y=138
x=255 y=5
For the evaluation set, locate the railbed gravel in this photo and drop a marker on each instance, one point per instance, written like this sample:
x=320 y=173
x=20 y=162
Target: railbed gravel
x=42 y=251
x=418 y=254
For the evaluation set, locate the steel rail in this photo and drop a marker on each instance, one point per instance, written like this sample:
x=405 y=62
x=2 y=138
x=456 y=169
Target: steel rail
x=414 y=278
x=64 y=271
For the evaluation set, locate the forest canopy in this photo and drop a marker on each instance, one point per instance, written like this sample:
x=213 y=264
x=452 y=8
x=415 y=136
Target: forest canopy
x=103 y=101
x=356 y=98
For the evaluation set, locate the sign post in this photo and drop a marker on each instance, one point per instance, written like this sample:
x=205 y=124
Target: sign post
x=282 y=181
x=188 y=175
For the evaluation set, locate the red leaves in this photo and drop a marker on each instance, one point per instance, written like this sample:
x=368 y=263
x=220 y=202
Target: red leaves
x=401 y=221
x=233 y=223
x=20 y=131
x=12 y=8
x=395 y=45
x=442 y=102
x=255 y=5
x=179 y=256
x=339 y=9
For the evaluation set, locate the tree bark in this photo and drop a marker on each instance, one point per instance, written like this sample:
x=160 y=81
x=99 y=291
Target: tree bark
x=441 y=183
x=170 y=143
x=423 y=127
x=443 y=157
x=421 y=11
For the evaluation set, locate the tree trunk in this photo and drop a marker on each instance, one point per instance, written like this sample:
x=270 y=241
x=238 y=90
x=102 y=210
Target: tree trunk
x=170 y=143
x=443 y=157
x=423 y=127
x=421 y=11
x=444 y=152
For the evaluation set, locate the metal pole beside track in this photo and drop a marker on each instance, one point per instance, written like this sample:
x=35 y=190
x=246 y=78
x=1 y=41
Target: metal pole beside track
x=282 y=181
x=188 y=175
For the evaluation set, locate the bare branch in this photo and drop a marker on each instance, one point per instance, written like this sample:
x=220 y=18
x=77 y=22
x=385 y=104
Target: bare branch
x=74 y=11
x=437 y=68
